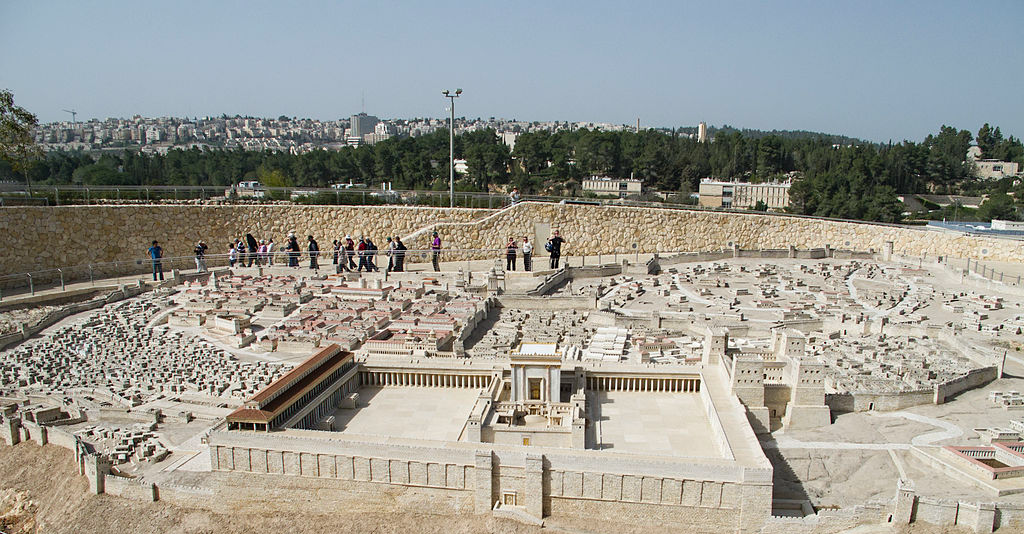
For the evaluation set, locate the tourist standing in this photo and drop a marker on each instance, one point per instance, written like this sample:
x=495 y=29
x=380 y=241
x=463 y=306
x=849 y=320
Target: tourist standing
x=514 y=196
x=232 y=254
x=399 y=254
x=510 y=254
x=435 y=252
x=261 y=253
x=390 y=253
x=350 y=252
x=293 y=250
x=200 y=252
x=314 y=250
x=554 y=246
x=361 y=252
x=371 y=253
x=270 y=251
x=342 y=256
x=156 y=252
x=253 y=245
x=527 y=254
x=336 y=246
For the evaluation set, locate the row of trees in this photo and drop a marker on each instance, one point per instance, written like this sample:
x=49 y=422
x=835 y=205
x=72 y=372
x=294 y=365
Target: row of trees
x=835 y=177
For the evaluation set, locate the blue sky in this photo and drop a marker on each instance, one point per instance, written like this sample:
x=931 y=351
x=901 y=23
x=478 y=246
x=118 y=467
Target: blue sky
x=875 y=70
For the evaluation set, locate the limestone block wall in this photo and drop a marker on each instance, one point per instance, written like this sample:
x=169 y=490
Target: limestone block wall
x=37 y=238
x=50 y=237
x=606 y=229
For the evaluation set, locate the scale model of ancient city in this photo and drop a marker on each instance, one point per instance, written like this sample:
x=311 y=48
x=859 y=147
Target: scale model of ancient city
x=775 y=374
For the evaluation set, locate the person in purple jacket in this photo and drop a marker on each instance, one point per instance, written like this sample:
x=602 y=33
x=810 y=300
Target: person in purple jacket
x=435 y=252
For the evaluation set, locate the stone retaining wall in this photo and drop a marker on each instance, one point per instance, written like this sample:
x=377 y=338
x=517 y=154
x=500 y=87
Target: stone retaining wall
x=39 y=238
x=50 y=237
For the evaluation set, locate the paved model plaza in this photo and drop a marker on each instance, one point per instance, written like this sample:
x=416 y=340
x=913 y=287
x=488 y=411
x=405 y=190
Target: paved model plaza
x=664 y=424
x=408 y=412
x=655 y=384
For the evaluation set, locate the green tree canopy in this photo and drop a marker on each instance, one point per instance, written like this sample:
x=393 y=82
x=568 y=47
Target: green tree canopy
x=16 y=145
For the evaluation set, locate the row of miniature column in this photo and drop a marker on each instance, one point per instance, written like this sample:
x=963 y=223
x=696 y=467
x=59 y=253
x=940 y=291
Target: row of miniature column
x=391 y=378
x=614 y=383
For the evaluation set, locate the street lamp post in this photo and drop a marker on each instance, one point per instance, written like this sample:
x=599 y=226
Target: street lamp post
x=451 y=145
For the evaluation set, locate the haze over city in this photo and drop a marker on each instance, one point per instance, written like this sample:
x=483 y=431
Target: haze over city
x=876 y=71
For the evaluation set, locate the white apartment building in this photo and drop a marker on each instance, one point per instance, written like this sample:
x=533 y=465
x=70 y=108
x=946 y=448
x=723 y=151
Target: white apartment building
x=718 y=194
x=605 y=186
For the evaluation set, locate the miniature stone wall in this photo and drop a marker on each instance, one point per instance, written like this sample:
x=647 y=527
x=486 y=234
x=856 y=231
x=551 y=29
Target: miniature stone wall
x=880 y=402
x=129 y=488
x=595 y=492
x=973 y=379
x=50 y=237
x=828 y=521
x=60 y=438
x=862 y=401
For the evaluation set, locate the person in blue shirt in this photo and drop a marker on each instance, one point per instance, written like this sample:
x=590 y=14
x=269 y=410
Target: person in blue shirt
x=155 y=252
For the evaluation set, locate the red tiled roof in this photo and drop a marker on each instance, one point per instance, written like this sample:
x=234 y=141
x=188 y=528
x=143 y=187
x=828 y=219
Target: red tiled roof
x=279 y=395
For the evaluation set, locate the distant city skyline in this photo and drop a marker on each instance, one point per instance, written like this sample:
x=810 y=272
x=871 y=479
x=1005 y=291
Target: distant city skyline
x=873 y=70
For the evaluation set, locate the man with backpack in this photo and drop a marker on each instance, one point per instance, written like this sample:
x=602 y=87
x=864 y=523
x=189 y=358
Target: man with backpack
x=554 y=247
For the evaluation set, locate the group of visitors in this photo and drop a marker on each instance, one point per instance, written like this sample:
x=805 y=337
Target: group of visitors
x=348 y=253
x=511 y=249
x=250 y=251
x=553 y=247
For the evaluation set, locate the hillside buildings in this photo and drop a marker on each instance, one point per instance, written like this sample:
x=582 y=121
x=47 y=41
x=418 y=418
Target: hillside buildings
x=606 y=186
x=720 y=194
x=991 y=169
x=296 y=135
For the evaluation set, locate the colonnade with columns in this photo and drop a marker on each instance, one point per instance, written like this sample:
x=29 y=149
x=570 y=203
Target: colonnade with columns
x=640 y=383
x=408 y=378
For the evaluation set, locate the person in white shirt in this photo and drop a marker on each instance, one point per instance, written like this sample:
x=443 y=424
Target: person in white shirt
x=527 y=254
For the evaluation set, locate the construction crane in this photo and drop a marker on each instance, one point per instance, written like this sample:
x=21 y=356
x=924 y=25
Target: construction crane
x=74 y=114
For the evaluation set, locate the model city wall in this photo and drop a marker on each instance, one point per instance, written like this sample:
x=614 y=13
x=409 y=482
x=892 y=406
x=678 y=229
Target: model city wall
x=40 y=238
